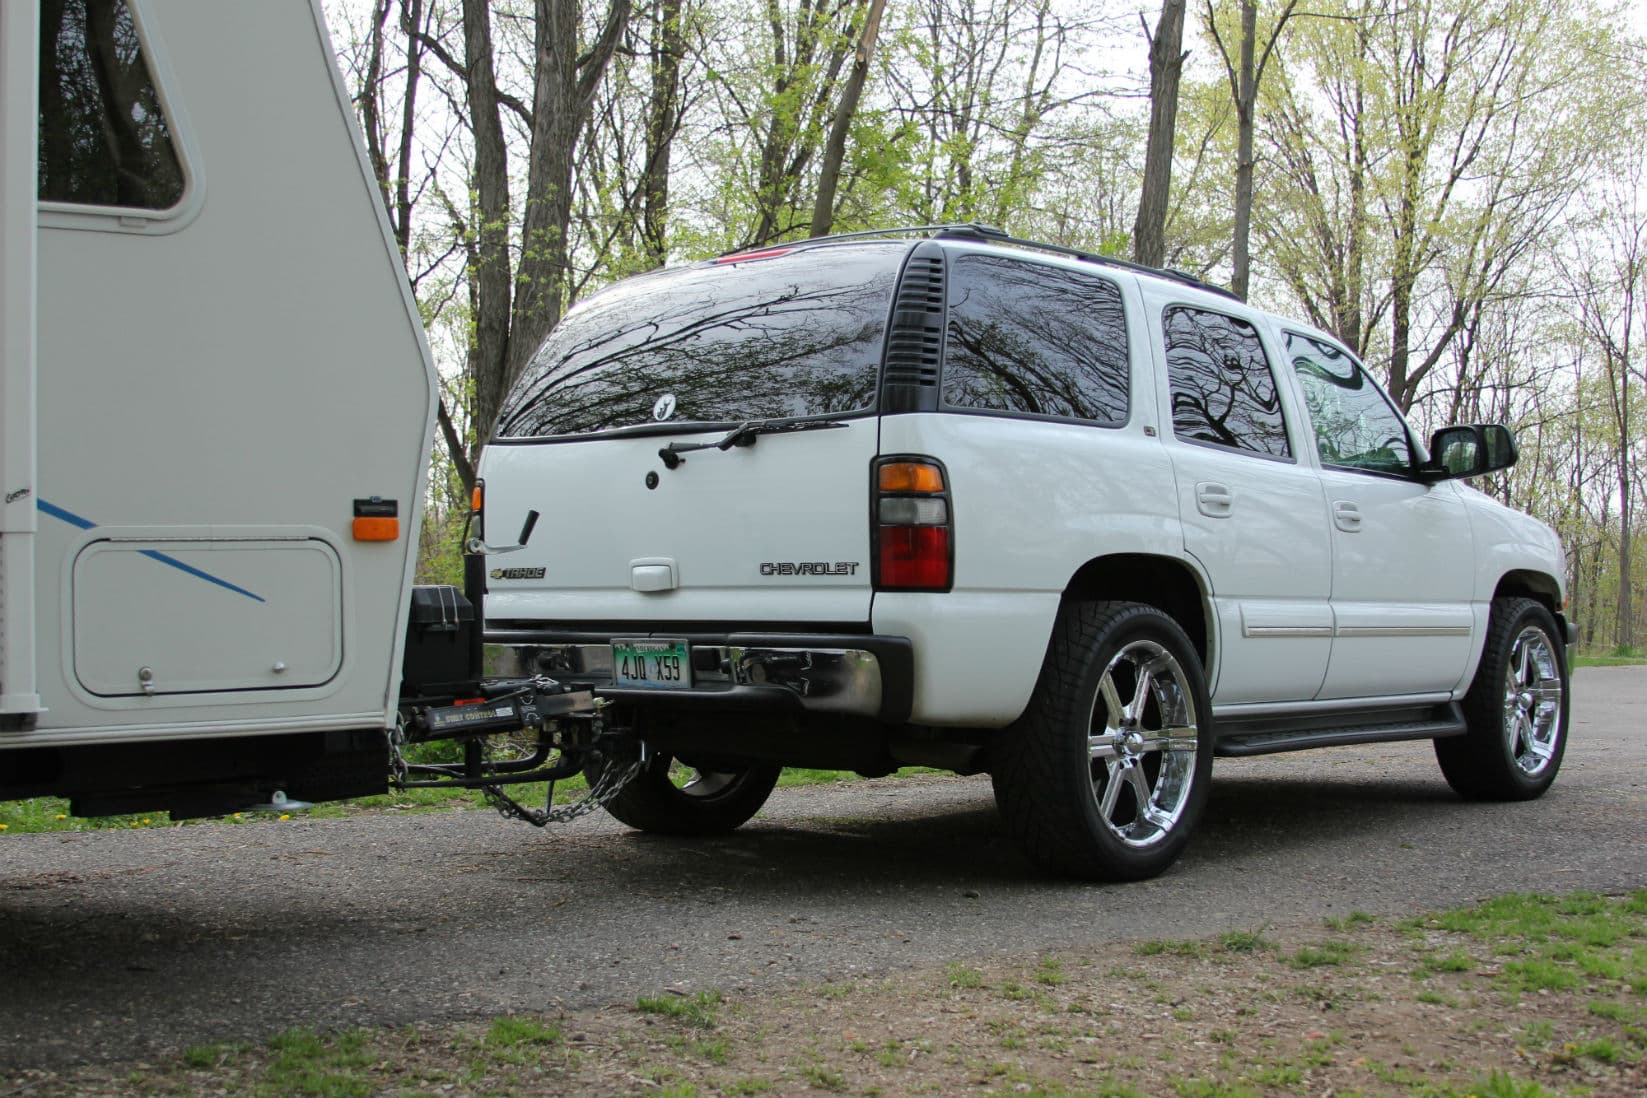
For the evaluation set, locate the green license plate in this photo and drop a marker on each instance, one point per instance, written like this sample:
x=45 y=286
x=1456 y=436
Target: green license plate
x=651 y=663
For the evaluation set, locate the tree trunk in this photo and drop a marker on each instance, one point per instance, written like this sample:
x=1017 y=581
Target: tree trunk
x=1626 y=515
x=823 y=209
x=1166 y=66
x=489 y=269
x=662 y=117
x=1244 y=103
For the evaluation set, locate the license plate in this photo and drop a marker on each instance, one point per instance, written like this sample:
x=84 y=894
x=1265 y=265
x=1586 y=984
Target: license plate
x=651 y=663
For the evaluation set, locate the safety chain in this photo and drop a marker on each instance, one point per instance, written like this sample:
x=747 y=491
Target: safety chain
x=615 y=774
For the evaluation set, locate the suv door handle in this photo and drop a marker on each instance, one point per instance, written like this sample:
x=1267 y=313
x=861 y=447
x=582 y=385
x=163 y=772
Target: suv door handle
x=1346 y=515
x=1213 y=499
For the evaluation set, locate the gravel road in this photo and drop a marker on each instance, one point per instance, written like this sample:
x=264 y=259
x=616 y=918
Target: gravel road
x=121 y=945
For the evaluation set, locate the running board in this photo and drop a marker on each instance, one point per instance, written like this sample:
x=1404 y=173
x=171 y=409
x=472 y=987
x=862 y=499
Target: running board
x=1258 y=736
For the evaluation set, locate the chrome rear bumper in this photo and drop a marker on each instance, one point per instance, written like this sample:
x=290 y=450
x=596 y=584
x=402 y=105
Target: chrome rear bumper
x=864 y=676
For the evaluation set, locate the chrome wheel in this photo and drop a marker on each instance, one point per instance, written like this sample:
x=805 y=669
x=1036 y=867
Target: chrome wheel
x=672 y=797
x=1515 y=712
x=1532 y=701
x=1143 y=742
x=692 y=782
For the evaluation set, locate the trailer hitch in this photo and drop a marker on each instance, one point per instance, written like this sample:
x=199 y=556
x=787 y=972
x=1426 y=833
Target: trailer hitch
x=518 y=731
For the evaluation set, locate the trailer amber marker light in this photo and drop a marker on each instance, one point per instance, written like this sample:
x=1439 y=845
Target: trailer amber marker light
x=377 y=529
x=911 y=476
x=376 y=519
x=476 y=498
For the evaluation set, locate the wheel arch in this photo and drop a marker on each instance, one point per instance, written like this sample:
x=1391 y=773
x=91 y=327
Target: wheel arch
x=1542 y=588
x=1170 y=585
x=1538 y=586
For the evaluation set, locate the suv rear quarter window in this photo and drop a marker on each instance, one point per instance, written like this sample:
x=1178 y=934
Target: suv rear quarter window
x=1223 y=390
x=1035 y=339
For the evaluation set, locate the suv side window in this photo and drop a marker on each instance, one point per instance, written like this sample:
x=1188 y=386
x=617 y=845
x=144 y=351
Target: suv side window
x=1355 y=426
x=104 y=140
x=1035 y=339
x=1223 y=391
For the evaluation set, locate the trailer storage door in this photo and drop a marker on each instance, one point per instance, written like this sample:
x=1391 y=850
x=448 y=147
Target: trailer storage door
x=160 y=617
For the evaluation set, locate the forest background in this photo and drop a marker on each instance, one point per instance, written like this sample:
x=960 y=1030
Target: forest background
x=1457 y=189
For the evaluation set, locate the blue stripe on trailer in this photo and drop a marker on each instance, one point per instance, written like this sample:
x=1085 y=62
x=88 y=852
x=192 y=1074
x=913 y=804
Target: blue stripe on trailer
x=154 y=554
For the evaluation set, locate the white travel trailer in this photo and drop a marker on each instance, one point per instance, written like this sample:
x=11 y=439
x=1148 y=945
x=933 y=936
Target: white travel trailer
x=217 y=403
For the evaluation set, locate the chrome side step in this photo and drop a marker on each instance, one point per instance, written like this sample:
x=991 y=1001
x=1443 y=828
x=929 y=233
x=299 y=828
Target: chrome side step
x=1256 y=736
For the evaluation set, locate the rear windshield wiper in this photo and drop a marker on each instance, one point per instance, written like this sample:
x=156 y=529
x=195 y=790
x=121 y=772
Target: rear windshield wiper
x=744 y=434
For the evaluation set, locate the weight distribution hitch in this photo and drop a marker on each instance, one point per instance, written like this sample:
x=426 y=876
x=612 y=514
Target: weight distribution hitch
x=518 y=731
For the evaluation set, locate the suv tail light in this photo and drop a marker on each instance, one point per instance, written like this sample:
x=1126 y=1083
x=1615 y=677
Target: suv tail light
x=912 y=526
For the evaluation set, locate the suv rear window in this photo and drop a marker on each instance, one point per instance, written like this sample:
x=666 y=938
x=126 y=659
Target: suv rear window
x=797 y=334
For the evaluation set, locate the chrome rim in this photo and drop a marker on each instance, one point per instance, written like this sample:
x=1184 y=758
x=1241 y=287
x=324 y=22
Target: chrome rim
x=1143 y=742
x=1532 y=701
x=689 y=781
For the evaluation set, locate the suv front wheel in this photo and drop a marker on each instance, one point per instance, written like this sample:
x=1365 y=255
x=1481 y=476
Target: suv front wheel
x=1105 y=775
x=1516 y=709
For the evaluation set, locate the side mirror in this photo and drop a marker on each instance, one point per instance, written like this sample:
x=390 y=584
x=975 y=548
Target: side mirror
x=1469 y=451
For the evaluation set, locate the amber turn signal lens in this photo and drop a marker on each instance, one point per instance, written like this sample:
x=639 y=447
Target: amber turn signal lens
x=911 y=476
x=377 y=529
x=476 y=498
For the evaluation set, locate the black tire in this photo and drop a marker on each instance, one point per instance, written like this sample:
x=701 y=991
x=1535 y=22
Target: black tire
x=1516 y=709
x=668 y=797
x=1051 y=774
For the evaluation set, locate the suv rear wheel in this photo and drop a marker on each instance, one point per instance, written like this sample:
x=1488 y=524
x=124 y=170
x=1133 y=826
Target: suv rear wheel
x=1516 y=709
x=670 y=797
x=1105 y=775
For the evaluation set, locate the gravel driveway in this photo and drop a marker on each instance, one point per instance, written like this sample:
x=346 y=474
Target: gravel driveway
x=119 y=945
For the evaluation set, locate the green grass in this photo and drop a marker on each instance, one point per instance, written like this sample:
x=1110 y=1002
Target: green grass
x=328 y=1067
x=1244 y=941
x=51 y=814
x=1621 y=655
x=510 y=1031
x=697 y=1010
x=1323 y=954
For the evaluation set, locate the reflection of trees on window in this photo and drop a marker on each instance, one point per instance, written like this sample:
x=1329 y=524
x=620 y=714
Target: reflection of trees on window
x=795 y=336
x=103 y=136
x=1222 y=389
x=1028 y=337
x=1355 y=426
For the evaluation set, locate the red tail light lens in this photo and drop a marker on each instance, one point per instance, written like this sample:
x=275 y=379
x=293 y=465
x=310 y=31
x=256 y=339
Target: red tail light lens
x=915 y=558
x=912 y=525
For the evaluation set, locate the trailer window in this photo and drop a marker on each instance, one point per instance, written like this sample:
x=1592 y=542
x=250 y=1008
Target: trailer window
x=104 y=140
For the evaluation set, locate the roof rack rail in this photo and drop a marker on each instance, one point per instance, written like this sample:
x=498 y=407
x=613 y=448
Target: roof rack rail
x=961 y=229
x=973 y=230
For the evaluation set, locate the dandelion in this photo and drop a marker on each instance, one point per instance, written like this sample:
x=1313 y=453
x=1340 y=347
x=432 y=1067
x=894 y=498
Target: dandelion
x=62 y=815
x=5 y=827
x=285 y=815
x=237 y=815
x=146 y=821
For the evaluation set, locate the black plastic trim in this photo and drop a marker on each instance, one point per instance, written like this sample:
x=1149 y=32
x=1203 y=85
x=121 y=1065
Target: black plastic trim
x=913 y=351
x=1261 y=736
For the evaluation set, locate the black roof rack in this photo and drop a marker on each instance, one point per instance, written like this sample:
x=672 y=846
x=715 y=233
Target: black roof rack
x=989 y=234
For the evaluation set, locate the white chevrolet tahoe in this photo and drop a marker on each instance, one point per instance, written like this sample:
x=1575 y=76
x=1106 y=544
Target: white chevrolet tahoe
x=941 y=497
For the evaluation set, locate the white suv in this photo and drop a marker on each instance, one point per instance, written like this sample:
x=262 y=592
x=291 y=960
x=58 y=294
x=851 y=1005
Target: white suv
x=946 y=498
